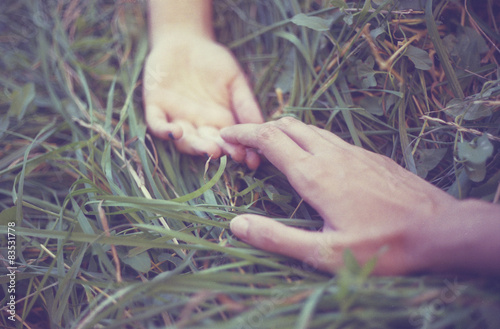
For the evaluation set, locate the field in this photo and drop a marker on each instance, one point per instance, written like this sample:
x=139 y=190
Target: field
x=114 y=228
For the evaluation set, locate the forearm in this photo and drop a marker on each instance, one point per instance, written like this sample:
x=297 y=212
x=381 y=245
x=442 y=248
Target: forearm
x=465 y=239
x=188 y=16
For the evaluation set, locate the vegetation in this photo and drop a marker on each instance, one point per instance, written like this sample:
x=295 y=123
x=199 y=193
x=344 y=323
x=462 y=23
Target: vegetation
x=116 y=229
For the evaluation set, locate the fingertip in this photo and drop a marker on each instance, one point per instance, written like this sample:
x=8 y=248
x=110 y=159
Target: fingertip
x=236 y=152
x=195 y=145
x=252 y=159
x=261 y=232
x=225 y=132
x=232 y=134
x=313 y=248
x=159 y=126
x=207 y=148
x=239 y=226
x=175 y=132
x=167 y=131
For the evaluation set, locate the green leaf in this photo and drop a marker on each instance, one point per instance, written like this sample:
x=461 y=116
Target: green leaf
x=465 y=48
x=140 y=262
x=377 y=31
x=350 y=262
x=4 y=124
x=419 y=57
x=362 y=74
x=348 y=19
x=312 y=22
x=8 y=215
x=338 y=4
x=21 y=100
x=428 y=159
x=372 y=105
x=469 y=109
x=477 y=151
x=287 y=73
x=475 y=171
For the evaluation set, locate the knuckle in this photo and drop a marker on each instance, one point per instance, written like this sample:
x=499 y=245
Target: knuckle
x=267 y=132
x=270 y=130
x=286 y=122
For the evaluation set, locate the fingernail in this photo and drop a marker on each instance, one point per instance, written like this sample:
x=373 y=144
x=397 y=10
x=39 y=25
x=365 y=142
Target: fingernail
x=239 y=226
x=171 y=136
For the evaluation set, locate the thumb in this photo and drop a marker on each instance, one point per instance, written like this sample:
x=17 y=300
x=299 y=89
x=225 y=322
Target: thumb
x=243 y=101
x=314 y=248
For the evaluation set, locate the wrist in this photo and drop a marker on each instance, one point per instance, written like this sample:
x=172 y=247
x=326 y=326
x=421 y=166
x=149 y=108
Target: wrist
x=181 y=17
x=464 y=238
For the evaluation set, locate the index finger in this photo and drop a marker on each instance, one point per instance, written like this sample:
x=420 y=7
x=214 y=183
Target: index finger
x=271 y=141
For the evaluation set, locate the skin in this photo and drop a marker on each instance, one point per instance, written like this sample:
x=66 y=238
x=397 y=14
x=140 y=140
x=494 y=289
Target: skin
x=369 y=204
x=193 y=86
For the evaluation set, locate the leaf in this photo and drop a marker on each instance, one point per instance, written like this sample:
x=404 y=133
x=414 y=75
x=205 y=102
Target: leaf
x=140 y=262
x=366 y=73
x=377 y=31
x=469 y=109
x=419 y=57
x=477 y=152
x=348 y=19
x=428 y=159
x=4 y=124
x=8 y=215
x=350 y=262
x=21 y=100
x=312 y=22
x=287 y=73
x=177 y=261
x=468 y=45
x=465 y=48
x=338 y=4
x=475 y=171
x=372 y=105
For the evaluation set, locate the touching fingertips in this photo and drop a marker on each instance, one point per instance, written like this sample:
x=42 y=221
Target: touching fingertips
x=237 y=153
x=252 y=159
x=210 y=150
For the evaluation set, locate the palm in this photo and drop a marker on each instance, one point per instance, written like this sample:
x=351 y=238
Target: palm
x=191 y=90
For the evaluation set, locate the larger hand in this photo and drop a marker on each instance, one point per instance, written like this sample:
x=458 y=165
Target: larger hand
x=367 y=201
x=193 y=87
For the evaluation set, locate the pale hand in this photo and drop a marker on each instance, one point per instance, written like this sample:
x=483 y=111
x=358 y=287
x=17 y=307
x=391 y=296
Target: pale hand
x=193 y=87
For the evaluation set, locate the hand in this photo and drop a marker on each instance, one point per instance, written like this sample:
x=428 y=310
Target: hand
x=367 y=201
x=193 y=87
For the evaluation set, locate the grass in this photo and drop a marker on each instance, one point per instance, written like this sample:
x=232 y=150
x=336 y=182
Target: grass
x=115 y=229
